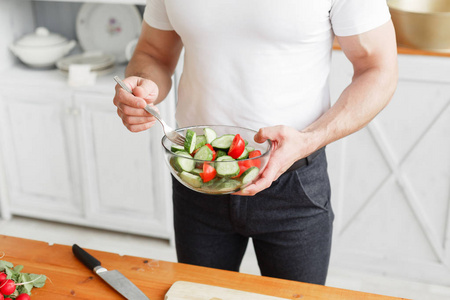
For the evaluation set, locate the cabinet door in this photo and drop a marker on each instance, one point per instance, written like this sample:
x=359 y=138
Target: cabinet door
x=36 y=145
x=391 y=180
x=125 y=180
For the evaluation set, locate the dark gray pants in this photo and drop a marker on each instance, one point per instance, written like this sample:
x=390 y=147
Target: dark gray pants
x=290 y=225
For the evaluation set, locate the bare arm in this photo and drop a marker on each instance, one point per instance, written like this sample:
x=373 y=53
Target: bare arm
x=374 y=58
x=155 y=58
x=148 y=74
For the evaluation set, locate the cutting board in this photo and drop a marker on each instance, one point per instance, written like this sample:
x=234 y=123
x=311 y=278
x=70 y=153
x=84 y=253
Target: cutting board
x=184 y=290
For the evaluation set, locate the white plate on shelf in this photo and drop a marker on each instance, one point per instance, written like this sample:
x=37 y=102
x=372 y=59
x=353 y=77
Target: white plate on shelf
x=99 y=72
x=95 y=59
x=108 y=28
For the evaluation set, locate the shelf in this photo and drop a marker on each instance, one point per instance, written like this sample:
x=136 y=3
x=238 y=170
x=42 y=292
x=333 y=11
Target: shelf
x=135 y=2
x=54 y=78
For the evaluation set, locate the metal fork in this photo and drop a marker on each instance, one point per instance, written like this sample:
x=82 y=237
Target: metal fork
x=171 y=134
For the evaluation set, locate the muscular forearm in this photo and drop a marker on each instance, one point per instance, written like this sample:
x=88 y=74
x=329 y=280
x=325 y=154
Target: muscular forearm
x=373 y=55
x=369 y=92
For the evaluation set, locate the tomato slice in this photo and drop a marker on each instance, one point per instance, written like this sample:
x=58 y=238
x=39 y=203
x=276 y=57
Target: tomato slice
x=195 y=151
x=208 y=172
x=254 y=162
x=243 y=166
x=254 y=153
x=237 y=146
x=213 y=151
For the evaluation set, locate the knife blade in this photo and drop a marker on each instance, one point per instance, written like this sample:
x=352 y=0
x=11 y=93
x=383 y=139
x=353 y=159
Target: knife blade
x=114 y=278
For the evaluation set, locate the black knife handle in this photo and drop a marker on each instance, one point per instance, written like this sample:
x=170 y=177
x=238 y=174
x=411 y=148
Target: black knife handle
x=87 y=259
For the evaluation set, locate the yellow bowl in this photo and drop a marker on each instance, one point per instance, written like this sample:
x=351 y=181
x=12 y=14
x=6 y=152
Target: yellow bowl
x=422 y=24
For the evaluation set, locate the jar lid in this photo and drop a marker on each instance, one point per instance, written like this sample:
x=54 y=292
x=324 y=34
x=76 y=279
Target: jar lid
x=41 y=37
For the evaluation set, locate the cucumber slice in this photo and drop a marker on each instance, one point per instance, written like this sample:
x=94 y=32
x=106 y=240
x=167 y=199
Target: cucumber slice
x=196 y=171
x=191 y=179
x=244 y=154
x=249 y=175
x=191 y=140
x=227 y=166
x=183 y=164
x=223 y=142
x=220 y=153
x=222 y=185
x=224 y=157
x=249 y=149
x=212 y=184
x=210 y=135
x=175 y=148
x=204 y=153
x=228 y=185
x=201 y=141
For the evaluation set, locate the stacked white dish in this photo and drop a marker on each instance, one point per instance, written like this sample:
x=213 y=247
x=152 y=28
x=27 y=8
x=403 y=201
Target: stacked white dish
x=99 y=62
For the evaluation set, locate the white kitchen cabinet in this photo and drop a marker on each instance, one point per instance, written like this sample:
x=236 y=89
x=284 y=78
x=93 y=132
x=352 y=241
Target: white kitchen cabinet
x=36 y=140
x=64 y=153
x=126 y=183
x=67 y=156
x=391 y=180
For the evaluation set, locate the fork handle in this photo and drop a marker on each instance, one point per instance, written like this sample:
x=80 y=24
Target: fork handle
x=150 y=110
x=122 y=84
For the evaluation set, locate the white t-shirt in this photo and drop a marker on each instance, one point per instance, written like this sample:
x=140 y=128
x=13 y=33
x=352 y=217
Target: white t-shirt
x=257 y=63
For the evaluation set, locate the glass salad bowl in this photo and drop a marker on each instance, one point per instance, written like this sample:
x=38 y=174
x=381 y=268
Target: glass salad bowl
x=216 y=159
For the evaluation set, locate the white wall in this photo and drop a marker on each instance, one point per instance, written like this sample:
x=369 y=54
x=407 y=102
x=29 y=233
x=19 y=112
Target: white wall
x=16 y=18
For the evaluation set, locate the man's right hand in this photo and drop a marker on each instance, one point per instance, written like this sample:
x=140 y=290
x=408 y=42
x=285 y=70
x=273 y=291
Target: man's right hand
x=130 y=107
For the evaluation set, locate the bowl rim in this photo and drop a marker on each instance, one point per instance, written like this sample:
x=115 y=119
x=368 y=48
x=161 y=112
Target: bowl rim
x=203 y=126
x=393 y=6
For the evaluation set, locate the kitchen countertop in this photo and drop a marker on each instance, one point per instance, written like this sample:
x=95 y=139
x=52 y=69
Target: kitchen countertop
x=70 y=279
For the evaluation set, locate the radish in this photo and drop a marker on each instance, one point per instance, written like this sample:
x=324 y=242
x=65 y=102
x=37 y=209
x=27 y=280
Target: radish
x=7 y=287
x=23 y=296
x=2 y=297
x=2 y=276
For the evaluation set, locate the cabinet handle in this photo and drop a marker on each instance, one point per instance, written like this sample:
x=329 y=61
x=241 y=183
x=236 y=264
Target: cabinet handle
x=73 y=111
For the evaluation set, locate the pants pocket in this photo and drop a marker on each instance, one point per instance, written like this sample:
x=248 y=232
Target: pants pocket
x=313 y=183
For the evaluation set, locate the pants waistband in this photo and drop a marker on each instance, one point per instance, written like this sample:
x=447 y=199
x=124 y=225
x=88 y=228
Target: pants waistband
x=305 y=161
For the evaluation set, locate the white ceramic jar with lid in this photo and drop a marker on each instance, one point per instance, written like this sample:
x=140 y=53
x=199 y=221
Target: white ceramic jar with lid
x=42 y=48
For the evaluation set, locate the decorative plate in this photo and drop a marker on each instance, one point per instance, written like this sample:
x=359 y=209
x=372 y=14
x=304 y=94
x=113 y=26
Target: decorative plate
x=108 y=28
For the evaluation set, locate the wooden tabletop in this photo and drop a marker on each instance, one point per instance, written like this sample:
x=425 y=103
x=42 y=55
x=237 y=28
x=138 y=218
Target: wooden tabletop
x=69 y=279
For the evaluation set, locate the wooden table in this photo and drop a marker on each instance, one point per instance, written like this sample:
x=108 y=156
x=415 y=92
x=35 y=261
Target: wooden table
x=69 y=279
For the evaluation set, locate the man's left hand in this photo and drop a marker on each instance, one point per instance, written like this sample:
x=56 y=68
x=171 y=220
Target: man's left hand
x=288 y=146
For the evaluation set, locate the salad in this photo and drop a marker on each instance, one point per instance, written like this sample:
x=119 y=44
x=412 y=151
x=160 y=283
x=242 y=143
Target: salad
x=220 y=164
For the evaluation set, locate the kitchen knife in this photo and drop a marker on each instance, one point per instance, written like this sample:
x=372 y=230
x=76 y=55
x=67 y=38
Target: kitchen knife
x=114 y=278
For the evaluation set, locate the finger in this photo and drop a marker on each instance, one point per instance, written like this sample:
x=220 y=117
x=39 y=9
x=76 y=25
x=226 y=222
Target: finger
x=268 y=176
x=267 y=133
x=154 y=107
x=147 y=90
x=132 y=120
x=123 y=97
x=132 y=111
x=138 y=127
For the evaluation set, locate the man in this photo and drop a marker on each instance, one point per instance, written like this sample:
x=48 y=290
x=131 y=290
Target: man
x=265 y=65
